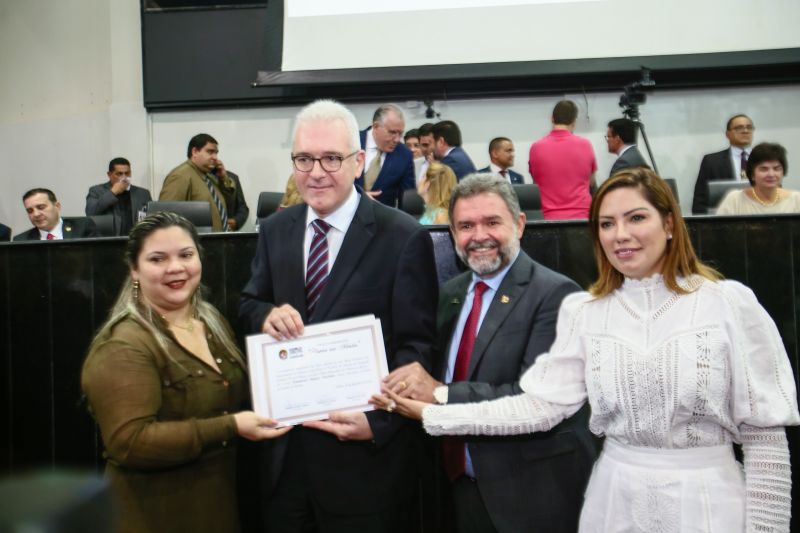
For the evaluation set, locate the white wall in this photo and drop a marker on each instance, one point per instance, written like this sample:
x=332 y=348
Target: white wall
x=681 y=126
x=70 y=99
x=74 y=101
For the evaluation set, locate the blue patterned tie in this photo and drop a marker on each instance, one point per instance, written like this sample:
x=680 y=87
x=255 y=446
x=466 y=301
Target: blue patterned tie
x=317 y=268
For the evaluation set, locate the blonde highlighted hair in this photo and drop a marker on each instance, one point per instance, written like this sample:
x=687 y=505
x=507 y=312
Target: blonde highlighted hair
x=680 y=258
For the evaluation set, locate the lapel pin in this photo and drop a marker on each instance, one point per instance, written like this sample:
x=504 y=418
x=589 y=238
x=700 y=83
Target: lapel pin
x=504 y=299
x=67 y=228
x=456 y=301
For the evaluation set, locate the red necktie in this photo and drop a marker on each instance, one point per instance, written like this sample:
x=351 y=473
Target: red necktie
x=453 y=457
x=50 y=236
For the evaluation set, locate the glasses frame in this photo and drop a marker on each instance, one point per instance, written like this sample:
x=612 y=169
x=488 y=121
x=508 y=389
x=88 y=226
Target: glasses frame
x=323 y=163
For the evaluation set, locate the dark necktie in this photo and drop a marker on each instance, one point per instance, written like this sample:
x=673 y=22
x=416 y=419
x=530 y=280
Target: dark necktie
x=504 y=173
x=223 y=213
x=454 y=456
x=743 y=165
x=317 y=268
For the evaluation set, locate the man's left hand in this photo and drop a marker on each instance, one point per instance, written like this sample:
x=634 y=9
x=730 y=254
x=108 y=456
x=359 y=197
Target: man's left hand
x=231 y=224
x=412 y=381
x=346 y=425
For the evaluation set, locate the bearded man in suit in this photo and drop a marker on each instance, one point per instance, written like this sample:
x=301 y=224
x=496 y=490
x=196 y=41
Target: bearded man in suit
x=503 y=484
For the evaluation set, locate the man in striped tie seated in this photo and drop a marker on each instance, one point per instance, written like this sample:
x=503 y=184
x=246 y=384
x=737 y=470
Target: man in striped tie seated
x=194 y=179
x=340 y=255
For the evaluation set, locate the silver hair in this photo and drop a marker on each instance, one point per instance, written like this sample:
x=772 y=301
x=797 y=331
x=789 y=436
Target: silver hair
x=328 y=111
x=385 y=109
x=482 y=183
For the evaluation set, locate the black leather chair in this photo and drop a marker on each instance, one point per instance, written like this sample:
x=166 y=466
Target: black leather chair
x=530 y=200
x=412 y=203
x=674 y=186
x=198 y=213
x=268 y=203
x=718 y=189
x=104 y=224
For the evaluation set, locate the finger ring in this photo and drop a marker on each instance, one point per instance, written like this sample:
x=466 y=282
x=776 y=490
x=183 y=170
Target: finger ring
x=391 y=406
x=403 y=385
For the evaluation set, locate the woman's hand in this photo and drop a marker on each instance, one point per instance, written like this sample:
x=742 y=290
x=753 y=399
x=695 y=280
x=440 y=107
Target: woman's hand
x=392 y=403
x=253 y=427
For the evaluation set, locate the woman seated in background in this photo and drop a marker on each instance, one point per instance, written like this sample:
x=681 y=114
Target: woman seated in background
x=676 y=364
x=163 y=379
x=435 y=187
x=766 y=167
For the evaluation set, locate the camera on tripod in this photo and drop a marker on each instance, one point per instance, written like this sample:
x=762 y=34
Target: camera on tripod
x=634 y=95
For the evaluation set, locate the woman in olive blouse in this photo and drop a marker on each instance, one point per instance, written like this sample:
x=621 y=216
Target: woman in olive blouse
x=166 y=384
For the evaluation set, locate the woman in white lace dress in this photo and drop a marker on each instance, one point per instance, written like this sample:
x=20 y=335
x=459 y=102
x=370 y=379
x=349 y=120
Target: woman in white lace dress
x=676 y=364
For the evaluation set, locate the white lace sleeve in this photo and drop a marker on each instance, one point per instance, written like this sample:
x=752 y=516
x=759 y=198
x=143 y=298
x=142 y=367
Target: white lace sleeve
x=554 y=388
x=510 y=415
x=768 y=479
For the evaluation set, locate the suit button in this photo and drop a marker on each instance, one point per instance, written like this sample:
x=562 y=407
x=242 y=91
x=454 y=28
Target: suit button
x=219 y=361
x=199 y=372
x=225 y=383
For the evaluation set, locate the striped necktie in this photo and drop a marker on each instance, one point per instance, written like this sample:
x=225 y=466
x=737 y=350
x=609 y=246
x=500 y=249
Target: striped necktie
x=317 y=268
x=223 y=213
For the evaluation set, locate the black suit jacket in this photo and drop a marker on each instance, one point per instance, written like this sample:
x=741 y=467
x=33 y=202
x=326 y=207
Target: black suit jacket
x=630 y=158
x=396 y=175
x=530 y=482
x=385 y=267
x=514 y=177
x=5 y=233
x=74 y=228
x=101 y=201
x=240 y=211
x=714 y=167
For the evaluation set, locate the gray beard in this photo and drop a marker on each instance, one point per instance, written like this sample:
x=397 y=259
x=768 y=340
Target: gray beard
x=484 y=266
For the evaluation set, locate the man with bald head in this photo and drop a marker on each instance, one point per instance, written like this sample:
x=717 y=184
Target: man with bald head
x=388 y=163
x=340 y=255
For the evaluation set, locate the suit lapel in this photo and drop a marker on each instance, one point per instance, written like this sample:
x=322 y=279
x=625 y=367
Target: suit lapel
x=291 y=264
x=504 y=302
x=356 y=241
x=68 y=230
x=451 y=300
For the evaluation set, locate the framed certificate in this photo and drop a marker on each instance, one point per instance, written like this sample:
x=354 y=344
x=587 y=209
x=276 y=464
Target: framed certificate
x=333 y=366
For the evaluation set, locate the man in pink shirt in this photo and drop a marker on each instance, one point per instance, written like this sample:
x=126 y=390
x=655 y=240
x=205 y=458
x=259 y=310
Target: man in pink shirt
x=563 y=166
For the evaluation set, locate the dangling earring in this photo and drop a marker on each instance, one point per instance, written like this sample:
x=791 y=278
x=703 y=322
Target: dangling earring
x=136 y=290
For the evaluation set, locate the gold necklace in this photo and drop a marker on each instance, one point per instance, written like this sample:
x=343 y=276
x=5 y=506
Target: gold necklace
x=189 y=326
x=767 y=204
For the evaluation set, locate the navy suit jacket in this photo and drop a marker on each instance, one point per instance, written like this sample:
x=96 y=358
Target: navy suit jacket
x=5 y=233
x=519 y=325
x=74 y=228
x=459 y=161
x=396 y=175
x=385 y=267
x=515 y=177
x=714 y=167
x=630 y=158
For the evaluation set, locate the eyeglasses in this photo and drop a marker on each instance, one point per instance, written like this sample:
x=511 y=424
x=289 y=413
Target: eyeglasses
x=329 y=163
x=740 y=129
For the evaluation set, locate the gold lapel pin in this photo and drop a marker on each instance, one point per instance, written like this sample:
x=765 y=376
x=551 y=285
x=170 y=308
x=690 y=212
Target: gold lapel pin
x=67 y=228
x=504 y=299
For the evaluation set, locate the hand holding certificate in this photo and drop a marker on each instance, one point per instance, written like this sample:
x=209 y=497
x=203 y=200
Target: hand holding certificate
x=334 y=366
